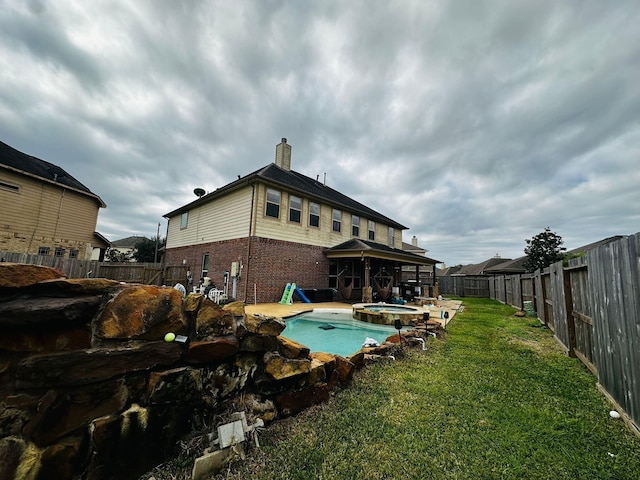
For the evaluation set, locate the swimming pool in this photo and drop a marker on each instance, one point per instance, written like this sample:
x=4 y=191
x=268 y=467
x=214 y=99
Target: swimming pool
x=333 y=331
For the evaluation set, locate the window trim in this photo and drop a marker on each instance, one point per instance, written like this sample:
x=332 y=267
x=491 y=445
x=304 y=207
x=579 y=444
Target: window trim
x=184 y=220
x=267 y=203
x=372 y=231
x=392 y=236
x=44 y=251
x=313 y=215
x=206 y=262
x=355 y=226
x=336 y=225
x=292 y=209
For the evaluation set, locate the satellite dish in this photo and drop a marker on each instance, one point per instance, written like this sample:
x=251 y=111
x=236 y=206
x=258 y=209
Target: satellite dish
x=199 y=192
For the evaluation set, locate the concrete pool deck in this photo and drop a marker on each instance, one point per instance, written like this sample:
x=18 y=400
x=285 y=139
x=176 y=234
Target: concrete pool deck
x=285 y=311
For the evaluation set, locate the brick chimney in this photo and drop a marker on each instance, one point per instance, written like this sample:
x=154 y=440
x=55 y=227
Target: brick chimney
x=283 y=155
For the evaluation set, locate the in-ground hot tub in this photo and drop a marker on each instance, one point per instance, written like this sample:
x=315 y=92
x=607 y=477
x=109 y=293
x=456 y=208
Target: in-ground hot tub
x=385 y=313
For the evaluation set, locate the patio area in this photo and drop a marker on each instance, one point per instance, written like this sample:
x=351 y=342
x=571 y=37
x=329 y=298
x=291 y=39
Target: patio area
x=285 y=311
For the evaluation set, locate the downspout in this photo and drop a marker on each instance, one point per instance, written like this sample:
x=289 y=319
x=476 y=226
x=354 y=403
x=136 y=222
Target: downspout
x=246 y=280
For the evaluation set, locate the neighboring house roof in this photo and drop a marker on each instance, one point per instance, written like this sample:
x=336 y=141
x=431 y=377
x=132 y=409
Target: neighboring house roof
x=481 y=268
x=26 y=164
x=517 y=265
x=293 y=181
x=409 y=247
x=366 y=248
x=444 y=272
x=509 y=266
x=104 y=240
x=128 y=242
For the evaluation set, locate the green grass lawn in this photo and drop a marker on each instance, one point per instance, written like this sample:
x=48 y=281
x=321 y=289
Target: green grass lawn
x=495 y=398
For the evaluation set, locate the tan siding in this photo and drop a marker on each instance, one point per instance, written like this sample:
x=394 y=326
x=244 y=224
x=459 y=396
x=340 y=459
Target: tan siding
x=228 y=218
x=225 y=218
x=43 y=214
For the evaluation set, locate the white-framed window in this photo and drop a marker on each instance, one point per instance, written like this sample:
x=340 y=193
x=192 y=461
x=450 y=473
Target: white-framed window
x=336 y=220
x=355 y=226
x=295 y=209
x=73 y=253
x=372 y=230
x=392 y=236
x=184 y=219
x=58 y=252
x=273 y=203
x=314 y=214
x=44 y=251
x=205 y=265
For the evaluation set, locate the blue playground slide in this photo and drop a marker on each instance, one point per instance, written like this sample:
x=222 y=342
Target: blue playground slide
x=302 y=296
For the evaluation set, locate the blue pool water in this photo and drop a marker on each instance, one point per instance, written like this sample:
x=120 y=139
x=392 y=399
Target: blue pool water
x=344 y=339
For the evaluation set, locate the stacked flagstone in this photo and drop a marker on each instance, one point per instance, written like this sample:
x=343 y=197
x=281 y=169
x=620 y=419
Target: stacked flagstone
x=89 y=389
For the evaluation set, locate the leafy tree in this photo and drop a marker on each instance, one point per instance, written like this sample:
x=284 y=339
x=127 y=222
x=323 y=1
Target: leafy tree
x=145 y=249
x=543 y=250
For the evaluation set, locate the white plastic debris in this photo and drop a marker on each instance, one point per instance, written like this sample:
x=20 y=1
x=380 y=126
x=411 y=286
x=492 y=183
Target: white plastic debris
x=614 y=414
x=370 y=342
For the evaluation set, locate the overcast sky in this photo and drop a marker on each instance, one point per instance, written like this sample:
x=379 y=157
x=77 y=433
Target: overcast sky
x=476 y=124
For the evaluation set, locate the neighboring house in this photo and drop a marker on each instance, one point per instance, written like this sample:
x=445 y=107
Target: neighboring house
x=424 y=273
x=122 y=250
x=45 y=210
x=276 y=226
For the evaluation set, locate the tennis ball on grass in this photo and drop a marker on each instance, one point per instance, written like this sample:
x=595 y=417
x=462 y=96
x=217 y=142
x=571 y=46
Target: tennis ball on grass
x=170 y=337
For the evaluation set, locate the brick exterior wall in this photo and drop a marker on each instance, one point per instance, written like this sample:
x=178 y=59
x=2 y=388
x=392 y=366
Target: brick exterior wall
x=269 y=265
x=18 y=243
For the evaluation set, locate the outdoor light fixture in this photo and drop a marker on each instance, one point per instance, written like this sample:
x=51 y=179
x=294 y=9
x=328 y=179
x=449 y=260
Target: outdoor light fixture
x=398 y=325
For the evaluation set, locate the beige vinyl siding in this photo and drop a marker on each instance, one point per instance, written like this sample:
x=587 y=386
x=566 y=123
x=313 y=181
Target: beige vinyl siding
x=46 y=210
x=282 y=229
x=221 y=219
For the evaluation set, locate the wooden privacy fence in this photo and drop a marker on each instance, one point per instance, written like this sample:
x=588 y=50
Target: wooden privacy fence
x=146 y=273
x=592 y=305
x=464 y=286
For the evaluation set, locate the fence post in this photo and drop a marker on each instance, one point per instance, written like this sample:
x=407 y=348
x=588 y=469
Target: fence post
x=568 y=301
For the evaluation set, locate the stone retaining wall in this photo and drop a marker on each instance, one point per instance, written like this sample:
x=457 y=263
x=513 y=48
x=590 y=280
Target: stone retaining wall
x=89 y=388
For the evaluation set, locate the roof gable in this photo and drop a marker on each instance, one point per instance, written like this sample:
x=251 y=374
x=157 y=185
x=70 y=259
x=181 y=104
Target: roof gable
x=24 y=163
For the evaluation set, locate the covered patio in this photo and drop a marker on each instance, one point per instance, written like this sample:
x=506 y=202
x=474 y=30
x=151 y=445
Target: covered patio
x=367 y=271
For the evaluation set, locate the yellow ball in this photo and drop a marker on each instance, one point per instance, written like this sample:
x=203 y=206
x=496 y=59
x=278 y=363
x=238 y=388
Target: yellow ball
x=170 y=337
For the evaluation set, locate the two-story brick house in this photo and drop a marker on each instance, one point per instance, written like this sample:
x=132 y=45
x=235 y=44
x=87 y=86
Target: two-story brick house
x=44 y=210
x=275 y=226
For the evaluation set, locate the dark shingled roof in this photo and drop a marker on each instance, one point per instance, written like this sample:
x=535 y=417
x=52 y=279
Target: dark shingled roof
x=24 y=163
x=369 y=248
x=306 y=186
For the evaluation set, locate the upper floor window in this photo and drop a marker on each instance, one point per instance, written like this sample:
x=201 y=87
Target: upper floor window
x=337 y=220
x=58 y=252
x=44 y=250
x=372 y=230
x=392 y=236
x=295 y=208
x=9 y=186
x=273 y=203
x=183 y=220
x=73 y=253
x=314 y=214
x=355 y=226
